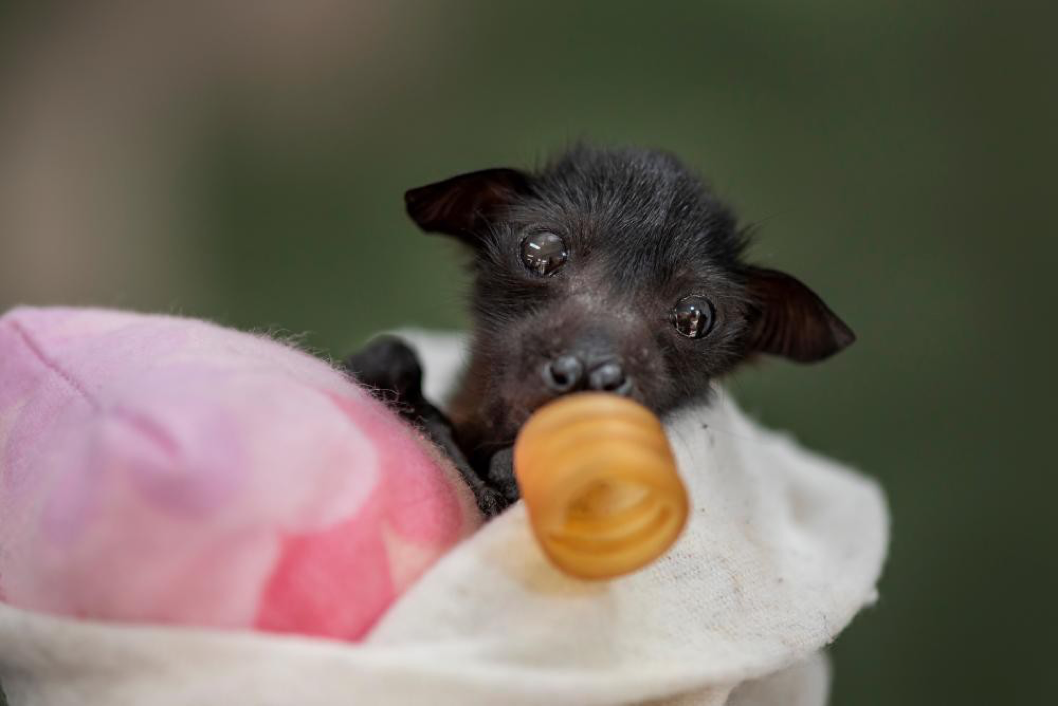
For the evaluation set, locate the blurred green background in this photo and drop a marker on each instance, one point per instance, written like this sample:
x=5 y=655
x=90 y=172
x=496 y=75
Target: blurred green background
x=245 y=162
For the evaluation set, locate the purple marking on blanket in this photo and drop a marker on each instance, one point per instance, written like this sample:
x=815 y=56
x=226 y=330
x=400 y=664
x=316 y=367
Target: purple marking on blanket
x=168 y=476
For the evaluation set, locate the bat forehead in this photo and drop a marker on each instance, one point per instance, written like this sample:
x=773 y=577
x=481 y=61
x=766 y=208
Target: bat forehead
x=650 y=238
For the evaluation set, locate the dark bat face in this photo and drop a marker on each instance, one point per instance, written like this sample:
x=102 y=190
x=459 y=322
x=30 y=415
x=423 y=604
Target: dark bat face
x=613 y=271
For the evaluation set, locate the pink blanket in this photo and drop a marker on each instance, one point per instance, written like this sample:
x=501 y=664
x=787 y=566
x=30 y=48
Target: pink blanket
x=166 y=470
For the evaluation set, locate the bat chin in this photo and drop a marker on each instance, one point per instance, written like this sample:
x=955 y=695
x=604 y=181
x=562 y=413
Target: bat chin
x=516 y=410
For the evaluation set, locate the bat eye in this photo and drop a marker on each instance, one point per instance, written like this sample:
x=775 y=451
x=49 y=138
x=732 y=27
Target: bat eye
x=693 y=316
x=543 y=253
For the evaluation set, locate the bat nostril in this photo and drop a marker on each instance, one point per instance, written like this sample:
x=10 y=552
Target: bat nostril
x=564 y=373
x=610 y=377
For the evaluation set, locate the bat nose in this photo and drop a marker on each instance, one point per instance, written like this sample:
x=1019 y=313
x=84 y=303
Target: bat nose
x=609 y=376
x=568 y=373
x=564 y=374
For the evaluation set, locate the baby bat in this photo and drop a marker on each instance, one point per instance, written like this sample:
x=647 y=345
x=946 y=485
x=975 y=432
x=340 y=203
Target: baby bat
x=613 y=270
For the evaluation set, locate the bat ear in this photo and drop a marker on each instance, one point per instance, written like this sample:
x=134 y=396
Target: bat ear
x=462 y=206
x=788 y=319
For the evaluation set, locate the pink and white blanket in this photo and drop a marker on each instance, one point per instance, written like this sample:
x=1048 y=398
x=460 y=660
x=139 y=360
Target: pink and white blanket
x=174 y=494
x=164 y=470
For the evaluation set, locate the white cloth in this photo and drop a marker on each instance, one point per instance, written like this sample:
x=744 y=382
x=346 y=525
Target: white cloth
x=782 y=549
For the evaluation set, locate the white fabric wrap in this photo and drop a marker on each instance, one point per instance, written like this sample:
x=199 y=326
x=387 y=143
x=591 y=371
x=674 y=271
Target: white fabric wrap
x=782 y=549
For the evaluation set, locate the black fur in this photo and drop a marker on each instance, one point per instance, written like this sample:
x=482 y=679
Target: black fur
x=642 y=232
